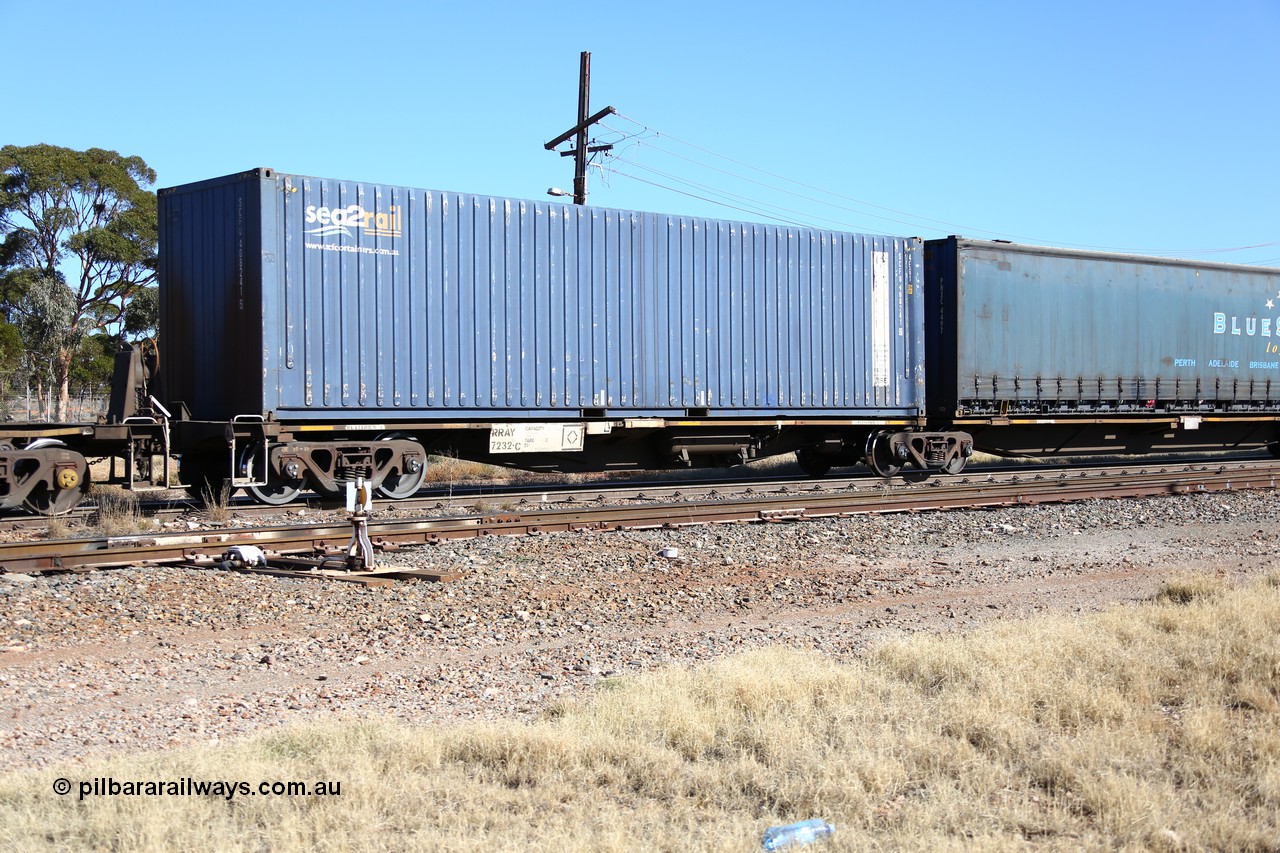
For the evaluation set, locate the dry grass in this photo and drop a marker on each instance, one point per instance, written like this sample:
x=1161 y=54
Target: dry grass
x=450 y=471
x=216 y=506
x=58 y=527
x=1149 y=727
x=118 y=512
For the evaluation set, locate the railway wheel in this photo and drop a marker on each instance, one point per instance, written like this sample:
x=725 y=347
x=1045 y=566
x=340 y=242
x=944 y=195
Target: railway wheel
x=954 y=465
x=277 y=491
x=880 y=458
x=70 y=478
x=401 y=481
x=46 y=501
x=813 y=463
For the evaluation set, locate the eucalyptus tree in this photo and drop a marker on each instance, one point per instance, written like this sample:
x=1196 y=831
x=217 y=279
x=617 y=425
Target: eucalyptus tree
x=77 y=242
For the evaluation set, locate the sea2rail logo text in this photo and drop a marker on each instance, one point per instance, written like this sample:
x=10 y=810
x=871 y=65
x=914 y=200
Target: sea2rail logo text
x=340 y=220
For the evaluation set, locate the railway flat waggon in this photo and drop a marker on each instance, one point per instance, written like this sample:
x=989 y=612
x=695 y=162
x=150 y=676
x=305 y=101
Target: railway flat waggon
x=323 y=327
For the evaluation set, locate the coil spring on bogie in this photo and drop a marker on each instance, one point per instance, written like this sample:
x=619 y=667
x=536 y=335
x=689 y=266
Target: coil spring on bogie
x=350 y=473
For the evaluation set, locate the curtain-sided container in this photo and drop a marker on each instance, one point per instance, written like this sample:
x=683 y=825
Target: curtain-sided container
x=1026 y=328
x=314 y=299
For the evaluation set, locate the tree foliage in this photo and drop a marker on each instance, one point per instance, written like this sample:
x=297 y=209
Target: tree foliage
x=142 y=314
x=11 y=352
x=92 y=370
x=78 y=238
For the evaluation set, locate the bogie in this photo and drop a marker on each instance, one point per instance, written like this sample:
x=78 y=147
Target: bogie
x=44 y=476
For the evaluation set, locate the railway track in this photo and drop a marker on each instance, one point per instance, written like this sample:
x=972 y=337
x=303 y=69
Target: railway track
x=751 y=502
x=483 y=495
x=466 y=494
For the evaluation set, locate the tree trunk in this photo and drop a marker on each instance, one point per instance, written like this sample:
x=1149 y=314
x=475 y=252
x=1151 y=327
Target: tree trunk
x=62 y=380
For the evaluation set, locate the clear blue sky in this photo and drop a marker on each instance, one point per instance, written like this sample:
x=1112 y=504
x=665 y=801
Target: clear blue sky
x=1135 y=126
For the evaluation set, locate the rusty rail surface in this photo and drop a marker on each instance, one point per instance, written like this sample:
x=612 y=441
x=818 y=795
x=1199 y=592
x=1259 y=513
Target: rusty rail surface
x=849 y=498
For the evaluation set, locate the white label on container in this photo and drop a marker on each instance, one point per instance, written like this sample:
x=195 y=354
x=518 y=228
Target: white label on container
x=535 y=438
x=881 y=321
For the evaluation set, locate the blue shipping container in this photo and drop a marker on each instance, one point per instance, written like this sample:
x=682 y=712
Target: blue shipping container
x=315 y=299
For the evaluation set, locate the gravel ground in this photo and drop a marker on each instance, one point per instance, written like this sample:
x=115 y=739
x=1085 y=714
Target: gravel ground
x=133 y=659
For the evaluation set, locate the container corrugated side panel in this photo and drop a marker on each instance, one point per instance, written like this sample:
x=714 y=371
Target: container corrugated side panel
x=210 y=273
x=406 y=303
x=1090 y=326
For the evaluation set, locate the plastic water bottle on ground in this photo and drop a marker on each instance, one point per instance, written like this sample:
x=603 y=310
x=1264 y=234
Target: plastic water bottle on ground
x=796 y=834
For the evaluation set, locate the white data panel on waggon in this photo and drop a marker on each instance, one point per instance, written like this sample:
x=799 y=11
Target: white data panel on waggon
x=536 y=438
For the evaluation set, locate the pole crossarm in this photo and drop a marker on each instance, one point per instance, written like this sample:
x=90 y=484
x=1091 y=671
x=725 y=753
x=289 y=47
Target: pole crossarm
x=591 y=149
x=581 y=126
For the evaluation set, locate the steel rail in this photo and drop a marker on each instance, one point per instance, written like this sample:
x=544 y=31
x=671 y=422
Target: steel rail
x=480 y=493
x=875 y=496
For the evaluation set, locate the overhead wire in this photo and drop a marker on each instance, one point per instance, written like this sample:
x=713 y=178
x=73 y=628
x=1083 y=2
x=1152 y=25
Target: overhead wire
x=802 y=184
x=726 y=193
x=759 y=207
x=786 y=192
x=915 y=219
x=863 y=202
x=752 y=211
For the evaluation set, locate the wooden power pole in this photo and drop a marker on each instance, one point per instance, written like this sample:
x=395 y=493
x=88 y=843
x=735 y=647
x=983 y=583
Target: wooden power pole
x=582 y=149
